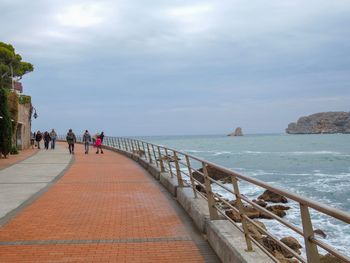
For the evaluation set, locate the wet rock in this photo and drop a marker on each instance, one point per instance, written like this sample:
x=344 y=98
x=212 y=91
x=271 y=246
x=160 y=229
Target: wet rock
x=328 y=258
x=269 y=196
x=278 y=210
x=320 y=233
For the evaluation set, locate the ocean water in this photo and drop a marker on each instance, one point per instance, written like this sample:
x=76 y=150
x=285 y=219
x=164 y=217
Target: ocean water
x=313 y=166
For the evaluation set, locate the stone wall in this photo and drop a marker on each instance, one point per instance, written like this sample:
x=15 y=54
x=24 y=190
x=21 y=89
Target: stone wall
x=24 y=126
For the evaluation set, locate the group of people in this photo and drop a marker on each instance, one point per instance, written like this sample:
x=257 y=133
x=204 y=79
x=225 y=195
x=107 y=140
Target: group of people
x=48 y=137
x=87 y=139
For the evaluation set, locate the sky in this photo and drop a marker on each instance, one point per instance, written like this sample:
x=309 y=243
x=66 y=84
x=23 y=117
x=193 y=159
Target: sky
x=143 y=67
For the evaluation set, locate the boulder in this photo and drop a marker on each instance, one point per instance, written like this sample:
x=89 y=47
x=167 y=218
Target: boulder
x=249 y=211
x=212 y=172
x=269 y=196
x=323 y=122
x=272 y=246
x=320 y=233
x=292 y=243
x=328 y=258
x=255 y=232
x=237 y=132
x=260 y=202
x=282 y=259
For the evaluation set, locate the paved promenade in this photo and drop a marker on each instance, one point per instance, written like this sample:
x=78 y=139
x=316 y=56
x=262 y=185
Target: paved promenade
x=105 y=208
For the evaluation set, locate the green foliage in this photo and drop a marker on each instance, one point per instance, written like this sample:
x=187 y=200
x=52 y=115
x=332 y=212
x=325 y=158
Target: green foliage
x=14 y=150
x=12 y=99
x=25 y=99
x=11 y=63
x=5 y=124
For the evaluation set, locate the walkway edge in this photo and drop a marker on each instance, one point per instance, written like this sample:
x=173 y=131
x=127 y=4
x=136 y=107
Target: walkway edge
x=4 y=220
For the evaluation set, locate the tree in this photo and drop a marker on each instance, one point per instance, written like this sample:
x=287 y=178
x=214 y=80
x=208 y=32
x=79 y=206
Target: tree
x=5 y=125
x=11 y=65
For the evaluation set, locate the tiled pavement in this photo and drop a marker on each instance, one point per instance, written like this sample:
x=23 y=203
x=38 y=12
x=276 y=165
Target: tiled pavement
x=105 y=208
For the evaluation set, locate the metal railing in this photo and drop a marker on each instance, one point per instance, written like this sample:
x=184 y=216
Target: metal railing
x=184 y=166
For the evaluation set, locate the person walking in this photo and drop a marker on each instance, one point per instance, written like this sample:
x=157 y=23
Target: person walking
x=47 y=140
x=38 y=138
x=71 y=139
x=86 y=141
x=99 y=145
x=102 y=135
x=53 y=136
x=32 y=139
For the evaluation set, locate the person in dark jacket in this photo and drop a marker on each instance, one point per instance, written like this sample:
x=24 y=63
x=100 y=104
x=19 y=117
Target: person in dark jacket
x=38 y=138
x=86 y=141
x=53 y=136
x=102 y=135
x=47 y=140
x=71 y=139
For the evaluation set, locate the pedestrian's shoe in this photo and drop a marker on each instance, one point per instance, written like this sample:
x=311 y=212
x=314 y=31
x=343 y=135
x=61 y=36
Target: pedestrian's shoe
x=101 y=152
x=96 y=152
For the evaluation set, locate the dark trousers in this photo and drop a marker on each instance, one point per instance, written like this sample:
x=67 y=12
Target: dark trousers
x=71 y=147
x=46 y=144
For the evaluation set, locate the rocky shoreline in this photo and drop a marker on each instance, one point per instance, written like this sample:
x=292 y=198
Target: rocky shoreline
x=272 y=202
x=320 y=123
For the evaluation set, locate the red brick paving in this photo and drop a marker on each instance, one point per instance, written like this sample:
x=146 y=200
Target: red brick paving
x=101 y=197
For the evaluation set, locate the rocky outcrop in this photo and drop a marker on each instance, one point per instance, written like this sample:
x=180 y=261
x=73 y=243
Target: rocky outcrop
x=323 y=122
x=238 y=132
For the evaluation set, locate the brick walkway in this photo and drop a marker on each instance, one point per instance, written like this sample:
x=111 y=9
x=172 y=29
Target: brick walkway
x=104 y=209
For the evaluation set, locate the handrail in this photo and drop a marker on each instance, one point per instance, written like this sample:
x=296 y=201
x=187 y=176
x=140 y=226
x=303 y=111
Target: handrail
x=163 y=157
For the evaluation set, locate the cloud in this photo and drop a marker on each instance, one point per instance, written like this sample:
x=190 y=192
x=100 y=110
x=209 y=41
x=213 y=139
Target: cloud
x=182 y=63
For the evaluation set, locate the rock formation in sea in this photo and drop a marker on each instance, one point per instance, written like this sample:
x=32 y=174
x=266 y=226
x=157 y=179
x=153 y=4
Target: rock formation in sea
x=323 y=122
x=237 y=132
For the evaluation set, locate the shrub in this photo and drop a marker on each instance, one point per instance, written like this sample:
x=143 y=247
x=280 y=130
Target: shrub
x=14 y=150
x=5 y=124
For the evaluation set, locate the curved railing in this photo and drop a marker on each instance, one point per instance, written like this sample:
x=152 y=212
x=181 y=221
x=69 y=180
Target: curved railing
x=184 y=166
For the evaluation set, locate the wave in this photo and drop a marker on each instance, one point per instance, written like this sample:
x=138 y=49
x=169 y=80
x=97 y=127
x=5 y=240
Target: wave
x=298 y=153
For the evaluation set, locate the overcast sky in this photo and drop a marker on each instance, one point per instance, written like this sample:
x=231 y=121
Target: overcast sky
x=147 y=67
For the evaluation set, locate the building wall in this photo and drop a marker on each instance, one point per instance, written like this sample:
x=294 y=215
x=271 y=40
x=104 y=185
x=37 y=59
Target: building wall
x=24 y=126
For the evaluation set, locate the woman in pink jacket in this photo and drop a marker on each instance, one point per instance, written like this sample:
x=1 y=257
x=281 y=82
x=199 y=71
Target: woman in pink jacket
x=98 y=145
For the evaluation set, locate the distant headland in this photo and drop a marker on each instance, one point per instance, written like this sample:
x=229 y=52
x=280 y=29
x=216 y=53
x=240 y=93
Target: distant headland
x=322 y=122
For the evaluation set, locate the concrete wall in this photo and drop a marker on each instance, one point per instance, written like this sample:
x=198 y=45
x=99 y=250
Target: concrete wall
x=226 y=240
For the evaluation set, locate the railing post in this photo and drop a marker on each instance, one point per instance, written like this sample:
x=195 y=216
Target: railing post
x=144 y=150
x=160 y=160
x=149 y=154
x=126 y=147
x=191 y=176
x=210 y=195
x=129 y=144
x=168 y=161
x=241 y=212
x=178 y=171
x=311 y=248
x=154 y=155
x=118 y=142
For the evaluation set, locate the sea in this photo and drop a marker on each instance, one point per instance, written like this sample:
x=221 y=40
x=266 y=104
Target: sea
x=313 y=166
